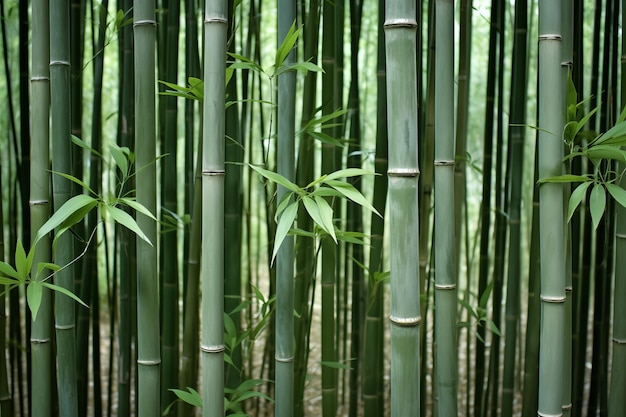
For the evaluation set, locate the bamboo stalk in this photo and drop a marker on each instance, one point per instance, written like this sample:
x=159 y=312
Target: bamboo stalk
x=550 y=153
x=148 y=336
x=400 y=31
x=212 y=260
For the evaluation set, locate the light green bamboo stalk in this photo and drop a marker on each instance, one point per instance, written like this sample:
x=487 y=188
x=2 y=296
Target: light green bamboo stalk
x=516 y=134
x=446 y=364
x=61 y=162
x=148 y=337
x=40 y=343
x=400 y=30
x=284 y=353
x=551 y=110
x=212 y=260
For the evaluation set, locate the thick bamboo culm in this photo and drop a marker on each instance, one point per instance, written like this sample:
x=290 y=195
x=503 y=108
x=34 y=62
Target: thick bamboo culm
x=400 y=38
x=212 y=258
x=148 y=333
x=550 y=153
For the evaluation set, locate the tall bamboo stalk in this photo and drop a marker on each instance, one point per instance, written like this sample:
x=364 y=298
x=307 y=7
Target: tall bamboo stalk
x=516 y=133
x=284 y=354
x=400 y=30
x=40 y=340
x=148 y=337
x=551 y=106
x=62 y=189
x=212 y=260
x=445 y=264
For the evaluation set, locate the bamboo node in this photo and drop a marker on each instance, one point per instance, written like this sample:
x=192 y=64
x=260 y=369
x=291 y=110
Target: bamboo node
x=540 y=414
x=215 y=19
x=568 y=64
x=567 y=407
x=39 y=341
x=148 y=362
x=403 y=172
x=405 y=321
x=400 y=23
x=623 y=58
x=283 y=360
x=620 y=235
x=212 y=349
x=39 y=78
x=550 y=37
x=444 y=162
x=144 y=22
x=445 y=286
x=212 y=172
x=64 y=326
x=38 y=202
x=569 y=288
x=60 y=63
x=553 y=298
x=619 y=341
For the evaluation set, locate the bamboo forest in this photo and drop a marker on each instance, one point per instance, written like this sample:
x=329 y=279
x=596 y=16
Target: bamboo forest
x=299 y=208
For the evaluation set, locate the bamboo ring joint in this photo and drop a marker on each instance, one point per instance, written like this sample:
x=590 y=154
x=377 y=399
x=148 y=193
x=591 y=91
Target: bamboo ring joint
x=445 y=286
x=550 y=37
x=444 y=162
x=39 y=78
x=405 y=321
x=215 y=19
x=400 y=23
x=60 y=63
x=552 y=299
x=64 y=326
x=620 y=235
x=540 y=414
x=403 y=172
x=619 y=341
x=38 y=202
x=145 y=22
x=567 y=407
x=148 y=362
x=212 y=349
x=283 y=360
x=213 y=172
x=39 y=341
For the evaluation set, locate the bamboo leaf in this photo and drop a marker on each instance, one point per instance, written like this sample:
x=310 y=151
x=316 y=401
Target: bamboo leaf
x=76 y=181
x=618 y=193
x=120 y=158
x=21 y=261
x=33 y=297
x=191 y=397
x=286 y=46
x=326 y=214
x=564 y=178
x=335 y=365
x=138 y=207
x=70 y=213
x=125 y=219
x=284 y=224
x=64 y=291
x=78 y=141
x=7 y=282
x=8 y=271
x=348 y=172
x=277 y=178
x=618 y=130
x=353 y=194
x=47 y=265
x=597 y=204
x=576 y=197
x=598 y=152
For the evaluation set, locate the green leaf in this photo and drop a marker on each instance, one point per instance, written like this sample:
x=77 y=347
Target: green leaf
x=125 y=219
x=326 y=215
x=335 y=365
x=353 y=194
x=33 y=297
x=286 y=46
x=22 y=265
x=618 y=130
x=190 y=397
x=564 y=178
x=78 y=141
x=138 y=207
x=8 y=271
x=576 y=197
x=484 y=298
x=70 y=213
x=120 y=158
x=277 y=178
x=7 y=282
x=598 y=152
x=597 y=204
x=618 y=193
x=76 y=181
x=64 y=291
x=348 y=172
x=47 y=265
x=284 y=224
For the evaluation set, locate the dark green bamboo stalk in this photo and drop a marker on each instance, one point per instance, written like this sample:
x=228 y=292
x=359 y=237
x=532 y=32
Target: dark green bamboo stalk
x=284 y=355
x=6 y=401
x=446 y=364
x=516 y=133
x=62 y=188
x=212 y=261
x=400 y=27
x=329 y=248
x=373 y=345
x=168 y=268
x=40 y=339
x=148 y=338
x=551 y=106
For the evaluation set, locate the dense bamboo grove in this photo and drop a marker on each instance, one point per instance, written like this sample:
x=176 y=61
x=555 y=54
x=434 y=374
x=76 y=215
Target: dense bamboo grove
x=312 y=208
